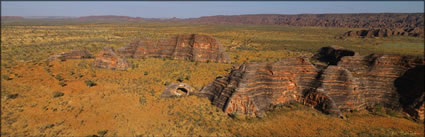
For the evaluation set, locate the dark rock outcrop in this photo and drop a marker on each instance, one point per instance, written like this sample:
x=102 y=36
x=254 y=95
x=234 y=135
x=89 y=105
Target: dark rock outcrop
x=75 y=54
x=177 y=89
x=385 y=32
x=331 y=55
x=188 y=47
x=107 y=59
x=350 y=83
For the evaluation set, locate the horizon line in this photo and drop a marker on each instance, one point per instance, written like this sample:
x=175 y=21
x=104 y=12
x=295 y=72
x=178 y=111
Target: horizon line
x=227 y=15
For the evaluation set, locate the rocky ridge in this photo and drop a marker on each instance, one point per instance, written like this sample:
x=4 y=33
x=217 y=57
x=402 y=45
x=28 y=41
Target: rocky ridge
x=366 y=20
x=363 y=20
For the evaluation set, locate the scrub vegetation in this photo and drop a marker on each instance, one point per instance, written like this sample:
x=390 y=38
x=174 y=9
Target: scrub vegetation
x=71 y=97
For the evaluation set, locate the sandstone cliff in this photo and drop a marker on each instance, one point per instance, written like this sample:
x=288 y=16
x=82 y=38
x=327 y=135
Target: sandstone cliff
x=255 y=87
x=188 y=47
x=360 y=82
x=349 y=82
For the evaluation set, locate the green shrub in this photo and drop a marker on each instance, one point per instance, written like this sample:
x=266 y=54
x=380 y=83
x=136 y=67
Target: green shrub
x=6 y=77
x=59 y=77
x=166 y=83
x=102 y=132
x=83 y=64
x=57 y=94
x=62 y=83
x=180 y=78
x=142 y=100
x=187 y=77
x=90 y=83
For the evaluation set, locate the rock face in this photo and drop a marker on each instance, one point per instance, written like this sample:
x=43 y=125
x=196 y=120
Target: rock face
x=188 y=47
x=107 y=59
x=254 y=88
x=378 y=78
x=177 y=89
x=360 y=82
x=352 y=83
x=385 y=32
x=75 y=54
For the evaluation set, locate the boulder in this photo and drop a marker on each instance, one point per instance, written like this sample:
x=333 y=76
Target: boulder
x=177 y=89
x=107 y=59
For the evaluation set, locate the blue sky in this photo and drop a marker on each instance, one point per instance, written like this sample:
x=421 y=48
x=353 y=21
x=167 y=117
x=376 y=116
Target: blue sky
x=189 y=9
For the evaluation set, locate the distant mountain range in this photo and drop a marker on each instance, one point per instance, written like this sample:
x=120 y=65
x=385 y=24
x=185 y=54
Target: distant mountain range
x=11 y=17
x=364 y=20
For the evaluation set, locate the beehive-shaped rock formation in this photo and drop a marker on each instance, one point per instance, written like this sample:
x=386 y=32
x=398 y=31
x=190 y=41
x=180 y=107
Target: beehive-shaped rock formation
x=350 y=83
x=255 y=87
x=188 y=47
x=360 y=82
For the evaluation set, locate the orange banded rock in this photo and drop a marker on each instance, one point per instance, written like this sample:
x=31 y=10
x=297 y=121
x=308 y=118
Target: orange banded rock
x=187 y=47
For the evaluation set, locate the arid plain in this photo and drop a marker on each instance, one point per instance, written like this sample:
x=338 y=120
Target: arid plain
x=74 y=98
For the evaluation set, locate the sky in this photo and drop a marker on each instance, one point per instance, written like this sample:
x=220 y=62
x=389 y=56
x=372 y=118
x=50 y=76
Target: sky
x=193 y=9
